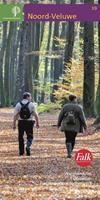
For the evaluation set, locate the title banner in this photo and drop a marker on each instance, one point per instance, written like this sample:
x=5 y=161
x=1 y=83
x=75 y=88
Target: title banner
x=49 y=12
x=62 y=12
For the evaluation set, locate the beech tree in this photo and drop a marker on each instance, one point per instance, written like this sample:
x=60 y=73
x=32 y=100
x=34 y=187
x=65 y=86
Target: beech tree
x=97 y=103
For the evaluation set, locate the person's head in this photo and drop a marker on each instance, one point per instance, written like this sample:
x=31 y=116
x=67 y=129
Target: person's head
x=27 y=96
x=72 y=98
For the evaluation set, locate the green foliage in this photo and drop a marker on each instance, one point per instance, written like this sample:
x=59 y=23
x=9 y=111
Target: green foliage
x=72 y=81
x=48 y=107
x=43 y=82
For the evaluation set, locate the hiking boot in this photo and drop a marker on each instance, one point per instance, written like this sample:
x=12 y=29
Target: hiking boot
x=69 y=156
x=21 y=154
x=28 y=152
x=69 y=150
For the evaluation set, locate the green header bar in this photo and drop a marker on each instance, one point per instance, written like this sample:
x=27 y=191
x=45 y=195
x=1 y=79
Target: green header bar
x=11 y=12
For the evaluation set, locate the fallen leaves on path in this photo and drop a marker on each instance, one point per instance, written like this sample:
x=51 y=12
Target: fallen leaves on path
x=47 y=174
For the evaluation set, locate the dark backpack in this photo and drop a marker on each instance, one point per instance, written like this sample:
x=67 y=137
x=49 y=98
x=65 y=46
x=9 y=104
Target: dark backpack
x=70 y=118
x=25 y=112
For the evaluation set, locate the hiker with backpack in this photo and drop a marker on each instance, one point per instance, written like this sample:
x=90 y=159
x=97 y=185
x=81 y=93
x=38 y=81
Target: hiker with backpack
x=24 y=113
x=72 y=121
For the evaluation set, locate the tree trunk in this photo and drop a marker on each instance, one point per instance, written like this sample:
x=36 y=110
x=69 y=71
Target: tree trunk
x=4 y=42
x=46 y=63
x=70 y=36
x=7 y=65
x=89 y=72
x=36 y=58
x=20 y=81
x=55 y=64
x=42 y=24
x=28 y=61
x=13 y=67
x=97 y=103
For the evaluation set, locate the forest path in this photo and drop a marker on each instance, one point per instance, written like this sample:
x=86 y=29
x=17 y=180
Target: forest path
x=47 y=174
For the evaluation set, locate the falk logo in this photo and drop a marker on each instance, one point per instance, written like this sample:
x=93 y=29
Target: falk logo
x=84 y=157
x=15 y=11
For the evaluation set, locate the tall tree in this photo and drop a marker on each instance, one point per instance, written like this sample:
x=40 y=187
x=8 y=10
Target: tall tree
x=42 y=25
x=28 y=60
x=7 y=65
x=97 y=103
x=46 y=62
x=20 y=79
x=36 y=58
x=89 y=71
x=55 y=48
x=2 y=51
x=70 y=36
x=55 y=67
x=13 y=63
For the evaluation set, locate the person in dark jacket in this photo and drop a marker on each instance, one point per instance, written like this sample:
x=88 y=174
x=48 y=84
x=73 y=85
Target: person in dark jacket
x=72 y=121
x=26 y=114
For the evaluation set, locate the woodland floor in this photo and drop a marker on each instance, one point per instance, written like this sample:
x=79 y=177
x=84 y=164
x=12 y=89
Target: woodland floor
x=47 y=174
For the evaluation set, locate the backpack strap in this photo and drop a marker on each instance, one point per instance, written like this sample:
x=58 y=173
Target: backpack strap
x=68 y=112
x=25 y=105
x=22 y=104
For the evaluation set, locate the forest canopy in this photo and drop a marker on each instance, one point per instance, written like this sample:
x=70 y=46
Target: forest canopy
x=50 y=60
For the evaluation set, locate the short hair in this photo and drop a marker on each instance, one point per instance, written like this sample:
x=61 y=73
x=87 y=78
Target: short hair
x=26 y=94
x=72 y=97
